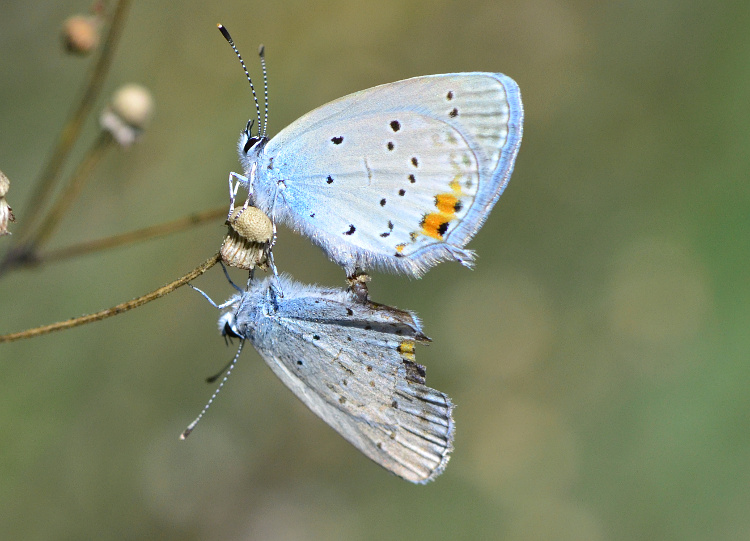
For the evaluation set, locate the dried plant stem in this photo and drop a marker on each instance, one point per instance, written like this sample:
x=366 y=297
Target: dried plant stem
x=25 y=253
x=120 y=308
x=73 y=126
x=138 y=235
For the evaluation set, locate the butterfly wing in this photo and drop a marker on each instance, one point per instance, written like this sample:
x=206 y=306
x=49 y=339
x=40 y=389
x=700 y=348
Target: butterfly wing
x=400 y=176
x=353 y=365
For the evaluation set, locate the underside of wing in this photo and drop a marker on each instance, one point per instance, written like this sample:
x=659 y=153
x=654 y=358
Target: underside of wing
x=399 y=176
x=353 y=365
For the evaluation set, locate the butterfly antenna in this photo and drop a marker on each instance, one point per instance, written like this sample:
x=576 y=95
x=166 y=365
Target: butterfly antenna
x=225 y=33
x=191 y=426
x=262 y=54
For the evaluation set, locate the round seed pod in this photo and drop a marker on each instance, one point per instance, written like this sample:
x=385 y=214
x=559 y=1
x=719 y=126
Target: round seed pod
x=128 y=113
x=247 y=242
x=81 y=34
x=6 y=213
x=252 y=224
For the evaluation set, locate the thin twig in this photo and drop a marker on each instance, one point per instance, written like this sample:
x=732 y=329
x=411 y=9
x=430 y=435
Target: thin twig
x=77 y=180
x=120 y=308
x=25 y=254
x=60 y=254
x=73 y=126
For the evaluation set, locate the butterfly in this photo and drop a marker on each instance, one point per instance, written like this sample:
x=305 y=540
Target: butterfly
x=398 y=177
x=352 y=362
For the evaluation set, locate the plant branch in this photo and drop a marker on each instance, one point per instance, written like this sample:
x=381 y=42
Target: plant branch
x=77 y=180
x=60 y=254
x=73 y=126
x=120 y=308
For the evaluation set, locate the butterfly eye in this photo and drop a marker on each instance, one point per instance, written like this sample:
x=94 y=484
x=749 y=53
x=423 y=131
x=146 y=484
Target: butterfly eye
x=229 y=331
x=250 y=143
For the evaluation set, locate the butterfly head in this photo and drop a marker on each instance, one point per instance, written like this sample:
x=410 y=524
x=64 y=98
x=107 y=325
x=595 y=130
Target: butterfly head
x=250 y=145
x=228 y=324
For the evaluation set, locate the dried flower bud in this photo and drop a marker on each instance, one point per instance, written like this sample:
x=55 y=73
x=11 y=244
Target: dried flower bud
x=4 y=184
x=128 y=113
x=81 y=34
x=6 y=213
x=252 y=224
x=246 y=244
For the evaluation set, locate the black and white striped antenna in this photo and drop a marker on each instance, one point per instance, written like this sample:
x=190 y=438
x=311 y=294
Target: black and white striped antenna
x=191 y=426
x=262 y=54
x=225 y=33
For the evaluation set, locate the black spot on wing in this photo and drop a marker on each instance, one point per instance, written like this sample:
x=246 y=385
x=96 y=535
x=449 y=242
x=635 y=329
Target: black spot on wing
x=337 y=140
x=395 y=125
x=414 y=372
x=390 y=230
x=351 y=231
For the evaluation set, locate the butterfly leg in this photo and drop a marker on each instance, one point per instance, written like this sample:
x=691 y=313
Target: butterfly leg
x=226 y=274
x=270 y=250
x=235 y=179
x=210 y=300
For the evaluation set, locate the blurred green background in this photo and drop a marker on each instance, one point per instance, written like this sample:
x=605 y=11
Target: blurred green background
x=598 y=353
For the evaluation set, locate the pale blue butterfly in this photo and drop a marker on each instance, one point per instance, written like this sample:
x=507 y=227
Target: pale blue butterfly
x=352 y=363
x=398 y=177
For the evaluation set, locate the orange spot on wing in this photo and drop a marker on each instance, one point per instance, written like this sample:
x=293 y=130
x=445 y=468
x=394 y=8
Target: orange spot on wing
x=435 y=225
x=407 y=346
x=446 y=203
x=406 y=349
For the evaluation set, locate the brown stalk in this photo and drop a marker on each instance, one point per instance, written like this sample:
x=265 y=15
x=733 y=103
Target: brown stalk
x=113 y=311
x=60 y=254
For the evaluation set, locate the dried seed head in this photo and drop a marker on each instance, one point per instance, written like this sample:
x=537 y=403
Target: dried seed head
x=81 y=34
x=134 y=104
x=128 y=113
x=6 y=213
x=246 y=244
x=252 y=224
x=4 y=184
